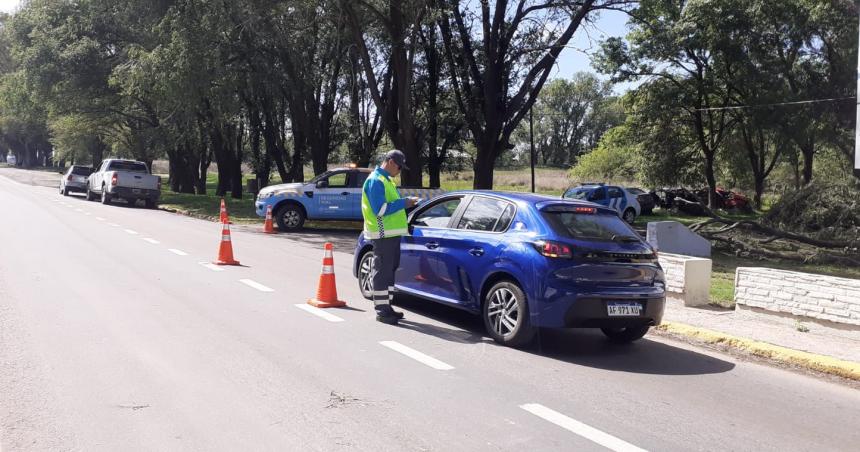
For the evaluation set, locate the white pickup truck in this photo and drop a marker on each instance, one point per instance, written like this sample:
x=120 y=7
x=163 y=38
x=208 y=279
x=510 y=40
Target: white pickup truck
x=124 y=179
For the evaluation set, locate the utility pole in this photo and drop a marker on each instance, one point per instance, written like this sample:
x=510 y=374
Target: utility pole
x=532 y=140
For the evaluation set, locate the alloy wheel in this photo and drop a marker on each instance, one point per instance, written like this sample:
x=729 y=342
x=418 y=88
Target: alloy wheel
x=503 y=312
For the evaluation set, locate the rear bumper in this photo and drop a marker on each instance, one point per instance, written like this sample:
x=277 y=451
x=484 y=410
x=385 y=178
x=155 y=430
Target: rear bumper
x=80 y=187
x=589 y=310
x=130 y=193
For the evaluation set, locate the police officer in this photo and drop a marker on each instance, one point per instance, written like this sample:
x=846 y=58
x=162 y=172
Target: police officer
x=384 y=213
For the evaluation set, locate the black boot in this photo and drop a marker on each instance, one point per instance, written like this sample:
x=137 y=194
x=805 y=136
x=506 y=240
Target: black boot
x=387 y=315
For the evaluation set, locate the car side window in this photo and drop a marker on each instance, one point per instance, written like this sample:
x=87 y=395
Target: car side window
x=483 y=214
x=599 y=194
x=358 y=178
x=437 y=215
x=615 y=192
x=337 y=180
x=505 y=219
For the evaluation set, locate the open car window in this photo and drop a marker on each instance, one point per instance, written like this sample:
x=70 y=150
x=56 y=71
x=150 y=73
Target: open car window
x=437 y=215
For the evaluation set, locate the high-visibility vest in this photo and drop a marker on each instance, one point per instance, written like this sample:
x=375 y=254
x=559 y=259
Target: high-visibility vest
x=384 y=225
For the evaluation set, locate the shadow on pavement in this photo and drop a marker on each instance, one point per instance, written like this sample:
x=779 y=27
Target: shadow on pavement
x=344 y=240
x=582 y=347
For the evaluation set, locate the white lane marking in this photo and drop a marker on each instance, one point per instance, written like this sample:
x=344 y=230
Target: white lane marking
x=590 y=433
x=212 y=266
x=79 y=210
x=319 y=312
x=417 y=356
x=178 y=252
x=130 y=231
x=100 y=219
x=256 y=285
x=152 y=241
x=87 y=213
x=114 y=225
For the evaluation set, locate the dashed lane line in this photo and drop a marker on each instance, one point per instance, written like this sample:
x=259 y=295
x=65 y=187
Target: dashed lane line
x=417 y=356
x=177 y=252
x=151 y=240
x=586 y=431
x=114 y=225
x=211 y=266
x=131 y=231
x=100 y=219
x=319 y=312
x=256 y=285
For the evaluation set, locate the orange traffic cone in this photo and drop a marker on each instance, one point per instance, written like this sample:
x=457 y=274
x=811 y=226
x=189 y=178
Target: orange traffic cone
x=268 y=228
x=225 y=252
x=224 y=217
x=327 y=289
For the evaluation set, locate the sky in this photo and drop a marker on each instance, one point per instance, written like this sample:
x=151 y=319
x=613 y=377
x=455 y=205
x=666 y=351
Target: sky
x=586 y=41
x=8 y=6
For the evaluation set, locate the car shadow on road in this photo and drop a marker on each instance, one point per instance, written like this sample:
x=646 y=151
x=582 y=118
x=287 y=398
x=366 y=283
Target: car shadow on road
x=581 y=347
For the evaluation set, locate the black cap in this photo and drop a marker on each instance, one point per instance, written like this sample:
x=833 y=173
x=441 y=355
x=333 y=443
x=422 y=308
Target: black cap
x=398 y=157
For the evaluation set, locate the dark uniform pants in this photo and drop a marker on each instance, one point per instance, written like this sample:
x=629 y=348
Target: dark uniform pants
x=385 y=262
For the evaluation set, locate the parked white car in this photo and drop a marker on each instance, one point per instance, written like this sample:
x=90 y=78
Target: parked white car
x=11 y=159
x=124 y=179
x=75 y=179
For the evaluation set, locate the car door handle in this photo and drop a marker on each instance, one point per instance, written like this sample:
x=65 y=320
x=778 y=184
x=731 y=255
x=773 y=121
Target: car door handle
x=431 y=245
x=346 y=193
x=477 y=252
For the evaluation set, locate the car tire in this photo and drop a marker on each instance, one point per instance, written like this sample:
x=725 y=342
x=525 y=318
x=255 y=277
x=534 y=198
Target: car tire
x=502 y=300
x=290 y=218
x=150 y=204
x=65 y=191
x=625 y=335
x=629 y=216
x=365 y=271
x=90 y=195
x=105 y=196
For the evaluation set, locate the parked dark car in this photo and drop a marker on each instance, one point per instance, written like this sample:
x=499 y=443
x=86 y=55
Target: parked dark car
x=75 y=179
x=524 y=261
x=647 y=200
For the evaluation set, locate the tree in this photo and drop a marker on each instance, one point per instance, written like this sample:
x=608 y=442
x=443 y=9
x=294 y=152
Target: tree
x=500 y=56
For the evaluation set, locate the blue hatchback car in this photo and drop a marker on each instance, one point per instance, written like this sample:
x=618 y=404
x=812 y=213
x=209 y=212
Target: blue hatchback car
x=525 y=261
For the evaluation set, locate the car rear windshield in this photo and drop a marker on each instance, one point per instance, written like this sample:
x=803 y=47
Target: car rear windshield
x=596 y=226
x=577 y=193
x=134 y=167
x=81 y=171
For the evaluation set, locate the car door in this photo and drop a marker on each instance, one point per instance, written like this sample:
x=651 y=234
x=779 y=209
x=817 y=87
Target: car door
x=470 y=250
x=617 y=200
x=96 y=178
x=420 y=252
x=598 y=195
x=332 y=196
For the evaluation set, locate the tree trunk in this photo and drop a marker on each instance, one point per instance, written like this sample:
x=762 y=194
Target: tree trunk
x=808 y=150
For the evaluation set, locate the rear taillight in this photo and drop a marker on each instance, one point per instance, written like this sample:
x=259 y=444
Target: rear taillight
x=554 y=249
x=585 y=210
x=113 y=179
x=69 y=178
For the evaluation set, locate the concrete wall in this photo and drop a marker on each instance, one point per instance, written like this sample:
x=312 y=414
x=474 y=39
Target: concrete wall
x=800 y=294
x=687 y=278
x=673 y=237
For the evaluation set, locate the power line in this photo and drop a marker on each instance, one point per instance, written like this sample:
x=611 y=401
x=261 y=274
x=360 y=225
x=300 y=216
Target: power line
x=778 y=104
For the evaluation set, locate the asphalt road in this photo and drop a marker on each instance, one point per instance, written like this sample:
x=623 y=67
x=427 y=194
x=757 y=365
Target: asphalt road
x=115 y=335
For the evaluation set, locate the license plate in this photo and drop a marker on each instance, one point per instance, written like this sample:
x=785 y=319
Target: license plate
x=135 y=190
x=623 y=309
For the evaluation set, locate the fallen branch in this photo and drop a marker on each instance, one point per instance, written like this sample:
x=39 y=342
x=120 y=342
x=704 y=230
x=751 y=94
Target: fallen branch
x=772 y=233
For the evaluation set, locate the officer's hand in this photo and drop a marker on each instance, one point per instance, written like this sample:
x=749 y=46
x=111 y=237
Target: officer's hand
x=410 y=201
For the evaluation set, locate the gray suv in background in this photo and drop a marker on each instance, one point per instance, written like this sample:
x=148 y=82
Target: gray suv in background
x=75 y=179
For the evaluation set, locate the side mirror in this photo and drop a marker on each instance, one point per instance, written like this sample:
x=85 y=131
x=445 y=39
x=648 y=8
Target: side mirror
x=322 y=184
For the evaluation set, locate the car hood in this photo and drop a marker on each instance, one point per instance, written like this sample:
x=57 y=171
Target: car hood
x=283 y=188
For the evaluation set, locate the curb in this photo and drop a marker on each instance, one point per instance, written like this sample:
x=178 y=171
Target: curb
x=811 y=361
